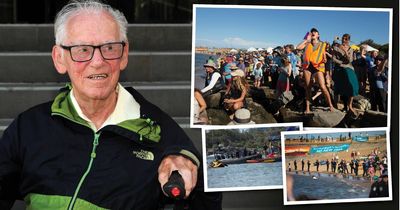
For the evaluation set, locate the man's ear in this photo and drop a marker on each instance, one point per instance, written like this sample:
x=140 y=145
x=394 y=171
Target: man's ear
x=125 y=56
x=58 y=60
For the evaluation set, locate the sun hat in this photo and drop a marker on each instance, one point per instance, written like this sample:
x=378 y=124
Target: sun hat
x=211 y=64
x=237 y=73
x=242 y=116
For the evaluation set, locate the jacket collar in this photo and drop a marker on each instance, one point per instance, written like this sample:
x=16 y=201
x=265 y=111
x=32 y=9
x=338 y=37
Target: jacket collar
x=144 y=127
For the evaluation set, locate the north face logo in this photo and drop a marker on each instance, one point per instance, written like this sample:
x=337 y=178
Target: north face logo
x=143 y=154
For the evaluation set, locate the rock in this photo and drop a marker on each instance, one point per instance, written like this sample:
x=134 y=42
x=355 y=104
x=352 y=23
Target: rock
x=217 y=117
x=322 y=117
x=373 y=119
x=269 y=93
x=361 y=103
x=319 y=117
x=213 y=100
x=286 y=97
x=287 y=115
x=282 y=100
x=258 y=114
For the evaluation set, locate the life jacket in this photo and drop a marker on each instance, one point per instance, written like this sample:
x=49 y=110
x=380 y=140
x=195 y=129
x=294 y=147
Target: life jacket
x=315 y=57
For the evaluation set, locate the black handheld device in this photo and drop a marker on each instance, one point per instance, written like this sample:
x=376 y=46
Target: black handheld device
x=175 y=187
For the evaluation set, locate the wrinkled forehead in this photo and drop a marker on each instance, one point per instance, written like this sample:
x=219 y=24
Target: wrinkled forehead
x=91 y=27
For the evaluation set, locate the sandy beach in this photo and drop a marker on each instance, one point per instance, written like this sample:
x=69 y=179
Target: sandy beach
x=361 y=148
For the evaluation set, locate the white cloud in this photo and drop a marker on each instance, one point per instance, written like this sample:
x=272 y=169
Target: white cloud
x=233 y=42
x=208 y=42
x=242 y=43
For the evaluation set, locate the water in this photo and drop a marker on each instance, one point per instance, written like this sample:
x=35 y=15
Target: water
x=200 y=73
x=245 y=175
x=329 y=186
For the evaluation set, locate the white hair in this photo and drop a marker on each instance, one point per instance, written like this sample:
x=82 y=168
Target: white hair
x=75 y=7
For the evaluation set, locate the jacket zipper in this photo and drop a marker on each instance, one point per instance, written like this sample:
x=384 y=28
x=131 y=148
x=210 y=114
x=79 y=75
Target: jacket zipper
x=92 y=157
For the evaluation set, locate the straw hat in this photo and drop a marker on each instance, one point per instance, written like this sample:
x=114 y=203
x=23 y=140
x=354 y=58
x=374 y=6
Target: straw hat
x=237 y=73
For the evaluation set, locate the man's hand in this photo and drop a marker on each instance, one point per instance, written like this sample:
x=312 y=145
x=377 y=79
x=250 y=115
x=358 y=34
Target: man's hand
x=186 y=168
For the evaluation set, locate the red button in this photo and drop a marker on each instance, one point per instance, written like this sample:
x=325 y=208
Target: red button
x=175 y=192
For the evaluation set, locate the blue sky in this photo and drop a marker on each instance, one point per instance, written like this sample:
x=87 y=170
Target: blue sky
x=262 y=28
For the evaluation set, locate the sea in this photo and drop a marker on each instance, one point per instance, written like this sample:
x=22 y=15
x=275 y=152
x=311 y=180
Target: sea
x=245 y=175
x=200 y=73
x=329 y=186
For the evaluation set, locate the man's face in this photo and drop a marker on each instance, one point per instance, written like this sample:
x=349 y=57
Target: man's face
x=345 y=40
x=95 y=79
x=374 y=54
x=209 y=69
x=314 y=35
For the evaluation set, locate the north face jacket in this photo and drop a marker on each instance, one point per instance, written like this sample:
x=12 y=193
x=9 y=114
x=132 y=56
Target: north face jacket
x=51 y=158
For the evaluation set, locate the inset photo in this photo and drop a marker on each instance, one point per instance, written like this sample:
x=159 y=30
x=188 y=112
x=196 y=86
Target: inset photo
x=244 y=157
x=344 y=165
x=333 y=71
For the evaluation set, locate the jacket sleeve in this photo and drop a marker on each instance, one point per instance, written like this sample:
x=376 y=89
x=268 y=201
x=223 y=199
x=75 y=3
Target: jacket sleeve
x=10 y=166
x=175 y=141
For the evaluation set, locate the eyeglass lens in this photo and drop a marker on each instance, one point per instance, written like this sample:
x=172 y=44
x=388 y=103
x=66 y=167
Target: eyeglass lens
x=109 y=51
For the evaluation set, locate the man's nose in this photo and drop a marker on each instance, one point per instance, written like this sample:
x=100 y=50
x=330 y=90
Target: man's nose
x=97 y=57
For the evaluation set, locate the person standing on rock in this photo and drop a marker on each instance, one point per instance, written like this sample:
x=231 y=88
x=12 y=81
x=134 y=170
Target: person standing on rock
x=345 y=78
x=314 y=59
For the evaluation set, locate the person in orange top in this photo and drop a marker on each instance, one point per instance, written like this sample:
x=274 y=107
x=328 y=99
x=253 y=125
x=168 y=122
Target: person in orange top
x=314 y=59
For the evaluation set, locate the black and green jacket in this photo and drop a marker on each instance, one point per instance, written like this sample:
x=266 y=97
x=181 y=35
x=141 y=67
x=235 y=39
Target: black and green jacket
x=51 y=158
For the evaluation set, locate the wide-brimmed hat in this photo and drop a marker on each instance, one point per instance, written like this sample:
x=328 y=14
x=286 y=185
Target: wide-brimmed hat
x=210 y=63
x=242 y=116
x=260 y=58
x=237 y=73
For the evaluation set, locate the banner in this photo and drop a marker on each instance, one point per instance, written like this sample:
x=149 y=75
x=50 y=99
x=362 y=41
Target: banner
x=331 y=148
x=360 y=138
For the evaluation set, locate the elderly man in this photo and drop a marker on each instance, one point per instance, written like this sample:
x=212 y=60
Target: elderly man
x=97 y=145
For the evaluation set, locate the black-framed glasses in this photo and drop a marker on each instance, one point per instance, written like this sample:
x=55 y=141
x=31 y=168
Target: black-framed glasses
x=83 y=53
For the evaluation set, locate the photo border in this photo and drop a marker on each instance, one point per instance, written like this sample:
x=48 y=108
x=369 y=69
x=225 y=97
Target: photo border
x=204 y=152
x=325 y=201
x=326 y=8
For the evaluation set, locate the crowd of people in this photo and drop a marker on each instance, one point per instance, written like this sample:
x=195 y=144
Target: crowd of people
x=374 y=166
x=371 y=164
x=336 y=70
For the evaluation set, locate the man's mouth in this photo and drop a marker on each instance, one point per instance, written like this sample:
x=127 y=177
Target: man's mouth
x=97 y=76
